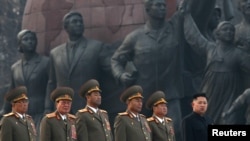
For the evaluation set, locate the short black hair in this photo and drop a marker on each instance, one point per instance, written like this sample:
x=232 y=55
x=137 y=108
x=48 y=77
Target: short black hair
x=195 y=96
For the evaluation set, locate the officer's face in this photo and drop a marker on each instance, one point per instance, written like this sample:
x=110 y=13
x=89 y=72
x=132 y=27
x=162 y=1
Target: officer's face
x=160 y=109
x=157 y=9
x=200 y=105
x=28 y=42
x=21 y=106
x=135 y=105
x=94 y=99
x=63 y=106
x=75 y=26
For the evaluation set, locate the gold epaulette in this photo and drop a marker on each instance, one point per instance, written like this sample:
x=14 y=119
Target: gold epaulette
x=150 y=119
x=168 y=119
x=9 y=114
x=143 y=115
x=71 y=116
x=51 y=115
x=83 y=110
x=123 y=114
x=28 y=116
x=103 y=111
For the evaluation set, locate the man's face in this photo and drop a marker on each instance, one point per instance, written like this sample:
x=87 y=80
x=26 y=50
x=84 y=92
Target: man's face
x=94 y=99
x=157 y=9
x=28 y=42
x=75 y=25
x=200 y=105
x=63 y=106
x=160 y=110
x=135 y=105
x=21 y=106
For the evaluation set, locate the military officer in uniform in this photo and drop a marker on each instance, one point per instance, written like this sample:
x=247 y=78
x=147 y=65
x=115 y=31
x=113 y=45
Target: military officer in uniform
x=92 y=123
x=17 y=125
x=130 y=125
x=161 y=126
x=59 y=125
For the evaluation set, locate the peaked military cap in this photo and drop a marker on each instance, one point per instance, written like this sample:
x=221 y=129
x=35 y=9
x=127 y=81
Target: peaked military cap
x=62 y=93
x=156 y=98
x=131 y=92
x=89 y=87
x=16 y=94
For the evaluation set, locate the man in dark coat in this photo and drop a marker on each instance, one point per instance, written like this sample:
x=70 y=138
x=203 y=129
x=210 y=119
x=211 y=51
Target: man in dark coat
x=161 y=126
x=59 y=125
x=17 y=125
x=92 y=123
x=195 y=125
x=74 y=62
x=131 y=125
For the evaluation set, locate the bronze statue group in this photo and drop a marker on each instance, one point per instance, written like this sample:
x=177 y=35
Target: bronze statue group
x=86 y=91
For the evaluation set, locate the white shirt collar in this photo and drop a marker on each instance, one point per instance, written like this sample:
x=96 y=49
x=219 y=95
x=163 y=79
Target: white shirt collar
x=20 y=115
x=92 y=108
x=63 y=116
x=135 y=115
x=160 y=119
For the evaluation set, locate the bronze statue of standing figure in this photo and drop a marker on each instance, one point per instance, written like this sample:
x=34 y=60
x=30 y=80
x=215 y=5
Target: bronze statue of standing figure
x=74 y=62
x=30 y=71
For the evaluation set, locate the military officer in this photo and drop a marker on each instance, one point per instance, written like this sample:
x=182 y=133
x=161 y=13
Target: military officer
x=59 y=125
x=130 y=125
x=17 y=125
x=92 y=123
x=161 y=126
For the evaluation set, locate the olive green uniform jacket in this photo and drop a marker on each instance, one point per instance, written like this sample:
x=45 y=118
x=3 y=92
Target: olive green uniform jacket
x=128 y=128
x=14 y=128
x=93 y=126
x=161 y=131
x=53 y=128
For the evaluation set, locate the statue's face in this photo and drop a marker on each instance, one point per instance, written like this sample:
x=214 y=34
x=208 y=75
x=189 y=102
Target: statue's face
x=245 y=7
x=215 y=19
x=28 y=42
x=226 y=32
x=75 y=25
x=157 y=9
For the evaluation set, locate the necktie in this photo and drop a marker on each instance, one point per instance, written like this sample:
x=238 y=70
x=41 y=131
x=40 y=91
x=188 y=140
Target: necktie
x=26 y=69
x=138 y=119
x=23 y=118
x=65 y=121
x=71 y=52
x=163 y=123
